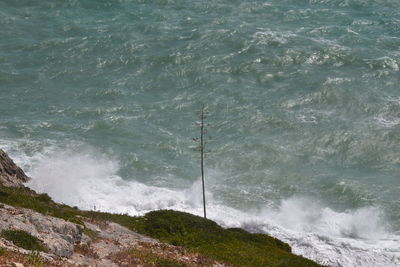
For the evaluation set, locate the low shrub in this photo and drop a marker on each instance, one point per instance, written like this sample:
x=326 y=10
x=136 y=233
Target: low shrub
x=235 y=246
x=23 y=239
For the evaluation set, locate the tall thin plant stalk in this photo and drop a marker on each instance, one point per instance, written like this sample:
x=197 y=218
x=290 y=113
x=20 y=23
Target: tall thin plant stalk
x=202 y=147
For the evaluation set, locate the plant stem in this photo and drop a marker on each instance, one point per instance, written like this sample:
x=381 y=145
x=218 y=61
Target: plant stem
x=202 y=158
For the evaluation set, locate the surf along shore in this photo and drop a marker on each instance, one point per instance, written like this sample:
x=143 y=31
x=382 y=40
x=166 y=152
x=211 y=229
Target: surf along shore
x=36 y=231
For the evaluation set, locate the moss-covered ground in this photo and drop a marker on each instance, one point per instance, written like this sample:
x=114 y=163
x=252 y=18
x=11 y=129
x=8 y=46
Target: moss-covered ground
x=234 y=246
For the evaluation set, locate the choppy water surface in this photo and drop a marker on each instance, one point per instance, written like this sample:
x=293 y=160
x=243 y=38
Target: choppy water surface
x=98 y=100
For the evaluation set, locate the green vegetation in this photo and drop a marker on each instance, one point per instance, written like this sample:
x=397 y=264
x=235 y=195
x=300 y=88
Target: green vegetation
x=160 y=262
x=2 y=251
x=23 y=239
x=35 y=260
x=42 y=203
x=154 y=260
x=235 y=246
x=90 y=233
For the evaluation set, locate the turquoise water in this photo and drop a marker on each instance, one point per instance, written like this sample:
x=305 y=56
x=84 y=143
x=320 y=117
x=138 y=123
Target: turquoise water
x=304 y=111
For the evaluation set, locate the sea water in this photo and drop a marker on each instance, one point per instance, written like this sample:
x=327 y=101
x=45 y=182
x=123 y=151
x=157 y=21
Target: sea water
x=99 y=102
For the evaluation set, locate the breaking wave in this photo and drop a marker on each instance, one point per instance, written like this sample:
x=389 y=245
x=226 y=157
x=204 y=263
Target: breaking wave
x=353 y=238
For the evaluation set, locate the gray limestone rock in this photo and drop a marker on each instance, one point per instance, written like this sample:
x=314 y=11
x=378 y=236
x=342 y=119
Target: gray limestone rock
x=10 y=173
x=58 y=235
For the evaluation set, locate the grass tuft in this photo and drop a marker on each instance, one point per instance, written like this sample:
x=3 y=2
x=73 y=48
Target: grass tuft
x=2 y=251
x=90 y=233
x=35 y=260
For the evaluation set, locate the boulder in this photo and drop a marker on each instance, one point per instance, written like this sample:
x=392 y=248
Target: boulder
x=10 y=173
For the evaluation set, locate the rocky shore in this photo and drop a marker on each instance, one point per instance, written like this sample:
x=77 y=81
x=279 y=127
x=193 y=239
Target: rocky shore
x=35 y=231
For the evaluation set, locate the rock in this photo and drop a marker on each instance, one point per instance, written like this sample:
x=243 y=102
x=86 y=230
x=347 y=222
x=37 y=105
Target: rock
x=10 y=173
x=58 y=235
x=85 y=241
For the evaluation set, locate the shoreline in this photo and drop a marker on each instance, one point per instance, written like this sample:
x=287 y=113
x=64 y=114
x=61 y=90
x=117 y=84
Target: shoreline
x=190 y=240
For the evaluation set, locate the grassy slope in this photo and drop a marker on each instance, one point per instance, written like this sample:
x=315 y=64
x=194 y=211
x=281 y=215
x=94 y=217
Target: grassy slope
x=234 y=246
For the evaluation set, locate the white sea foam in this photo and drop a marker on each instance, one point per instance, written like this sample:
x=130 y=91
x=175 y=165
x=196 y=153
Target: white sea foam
x=91 y=183
x=387 y=122
x=352 y=238
x=267 y=36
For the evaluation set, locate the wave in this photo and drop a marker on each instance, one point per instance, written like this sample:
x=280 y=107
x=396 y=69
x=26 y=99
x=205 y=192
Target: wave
x=352 y=238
